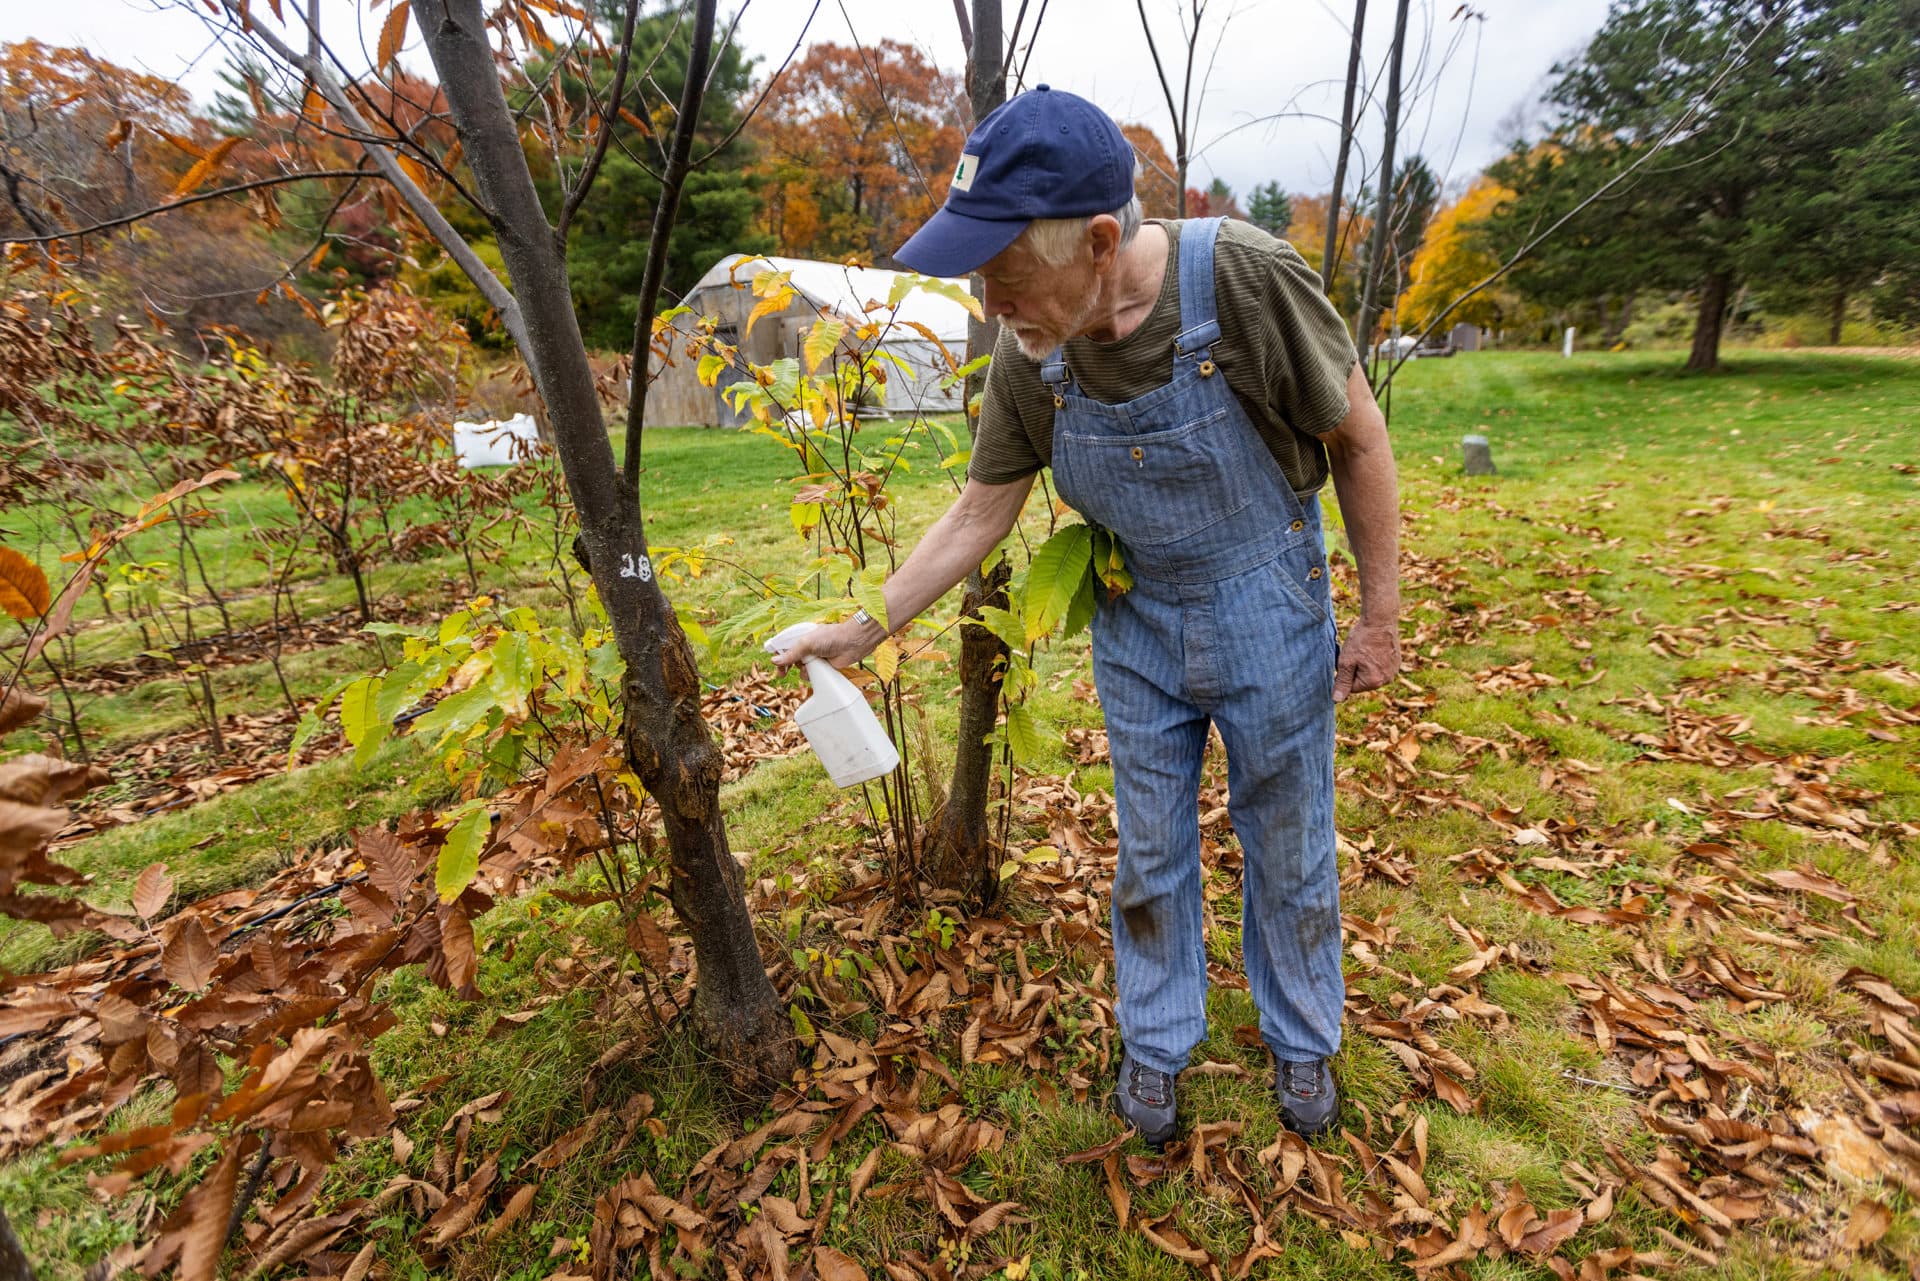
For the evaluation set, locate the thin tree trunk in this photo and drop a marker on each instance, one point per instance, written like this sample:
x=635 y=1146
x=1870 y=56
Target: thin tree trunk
x=1383 y=206
x=1837 y=317
x=736 y=1012
x=13 y=1259
x=1706 y=325
x=957 y=854
x=1330 y=260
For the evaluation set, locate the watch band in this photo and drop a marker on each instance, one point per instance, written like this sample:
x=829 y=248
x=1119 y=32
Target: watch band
x=862 y=617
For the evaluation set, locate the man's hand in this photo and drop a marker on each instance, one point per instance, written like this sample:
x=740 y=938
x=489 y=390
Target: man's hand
x=842 y=644
x=1369 y=659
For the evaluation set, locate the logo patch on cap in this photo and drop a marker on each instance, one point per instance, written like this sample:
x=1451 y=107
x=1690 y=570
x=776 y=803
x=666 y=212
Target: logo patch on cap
x=964 y=171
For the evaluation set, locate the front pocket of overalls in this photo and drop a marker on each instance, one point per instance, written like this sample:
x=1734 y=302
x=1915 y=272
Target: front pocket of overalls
x=1163 y=486
x=1297 y=570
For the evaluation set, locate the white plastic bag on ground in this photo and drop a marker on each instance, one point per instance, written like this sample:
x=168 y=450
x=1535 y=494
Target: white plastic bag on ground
x=491 y=444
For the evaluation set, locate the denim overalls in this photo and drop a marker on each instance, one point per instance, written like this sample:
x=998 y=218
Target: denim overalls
x=1229 y=620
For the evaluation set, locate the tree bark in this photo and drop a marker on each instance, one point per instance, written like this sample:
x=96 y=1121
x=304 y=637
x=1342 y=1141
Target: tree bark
x=1383 y=206
x=1837 y=317
x=1330 y=260
x=736 y=1012
x=13 y=1259
x=957 y=854
x=1714 y=292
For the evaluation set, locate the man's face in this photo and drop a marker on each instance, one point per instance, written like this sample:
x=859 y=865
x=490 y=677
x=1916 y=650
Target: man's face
x=1044 y=305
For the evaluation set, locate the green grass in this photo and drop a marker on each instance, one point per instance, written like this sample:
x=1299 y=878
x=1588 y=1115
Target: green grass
x=1771 y=489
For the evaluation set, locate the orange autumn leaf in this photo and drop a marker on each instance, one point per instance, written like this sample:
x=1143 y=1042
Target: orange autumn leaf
x=204 y=168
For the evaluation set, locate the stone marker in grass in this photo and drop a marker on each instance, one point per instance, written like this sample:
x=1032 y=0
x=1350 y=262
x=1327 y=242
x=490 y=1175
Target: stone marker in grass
x=1478 y=454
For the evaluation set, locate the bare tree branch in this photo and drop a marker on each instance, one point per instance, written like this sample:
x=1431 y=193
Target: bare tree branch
x=1329 y=261
x=665 y=210
x=772 y=80
x=184 y=201
x=609 y=118
x=1039 y=18
x=498 y=296
x=1013 y=38
x=873 y=74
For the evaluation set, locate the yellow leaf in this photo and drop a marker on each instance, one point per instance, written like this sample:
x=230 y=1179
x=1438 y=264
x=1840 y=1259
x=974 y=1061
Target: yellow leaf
x=23 y=586
x=204 y=168
x=886 y=660
x=392 y=33
x=822 y=339
x=773 y=302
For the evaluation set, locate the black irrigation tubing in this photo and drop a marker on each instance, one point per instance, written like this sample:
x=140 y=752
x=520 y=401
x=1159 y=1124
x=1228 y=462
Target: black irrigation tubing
x=267 y=918
x=735 y=698
x=286 y=909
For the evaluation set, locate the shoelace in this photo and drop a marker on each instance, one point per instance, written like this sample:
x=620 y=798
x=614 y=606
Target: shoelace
x=1149 y=1085
x=1291 y=1075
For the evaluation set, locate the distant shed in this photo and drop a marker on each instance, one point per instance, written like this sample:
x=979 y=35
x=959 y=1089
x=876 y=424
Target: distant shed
x=726 y=293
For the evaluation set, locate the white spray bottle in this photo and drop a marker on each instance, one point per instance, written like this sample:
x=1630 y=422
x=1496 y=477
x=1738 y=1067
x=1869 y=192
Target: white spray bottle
x=840 y=728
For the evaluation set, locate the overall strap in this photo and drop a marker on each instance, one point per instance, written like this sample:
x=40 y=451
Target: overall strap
x=1199 y=325
x=1058 y=380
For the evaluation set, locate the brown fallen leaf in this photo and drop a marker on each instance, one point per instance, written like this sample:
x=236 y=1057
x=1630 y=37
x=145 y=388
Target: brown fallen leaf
x=1099 y=1151
x=517 y=1205
x=1174 y=1241
x=152 y=890
x=831 y=1265
x=189 y=956
x=1117 y=1190
x=1866 y=1224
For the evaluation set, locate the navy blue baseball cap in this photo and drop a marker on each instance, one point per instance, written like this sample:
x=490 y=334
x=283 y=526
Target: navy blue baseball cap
x=1044 y=154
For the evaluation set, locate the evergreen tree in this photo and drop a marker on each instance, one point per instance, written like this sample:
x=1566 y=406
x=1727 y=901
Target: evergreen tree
x=1270 y=209
x=1757 y=101
x=607 y=242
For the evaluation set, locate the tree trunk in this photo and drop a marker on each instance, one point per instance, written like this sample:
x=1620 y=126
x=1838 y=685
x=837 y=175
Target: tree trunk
x=1837 y=317
x=1383 y=205
x=1330 y=260
x=1706 y=325
x=736 y=1013
x=957 y=855
x=13 y=1259
x=1616 y=327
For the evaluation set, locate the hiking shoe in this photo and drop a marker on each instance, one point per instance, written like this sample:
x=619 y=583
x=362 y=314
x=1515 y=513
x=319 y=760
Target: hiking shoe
x=1144 y=1099
x=1309 y=1100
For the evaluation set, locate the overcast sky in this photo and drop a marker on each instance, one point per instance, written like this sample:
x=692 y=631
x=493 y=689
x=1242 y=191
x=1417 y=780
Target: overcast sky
x=1277 y=56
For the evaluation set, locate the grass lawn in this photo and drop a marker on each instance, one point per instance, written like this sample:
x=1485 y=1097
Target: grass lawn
x=1668 y=651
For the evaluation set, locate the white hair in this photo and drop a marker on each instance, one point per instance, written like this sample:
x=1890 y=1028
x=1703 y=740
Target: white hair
x=1055 y=241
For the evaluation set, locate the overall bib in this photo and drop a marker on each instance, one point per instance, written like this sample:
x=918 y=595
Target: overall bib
x=1229 y=621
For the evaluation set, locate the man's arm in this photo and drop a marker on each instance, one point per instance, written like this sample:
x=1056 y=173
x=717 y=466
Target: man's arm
x=1361 y=458
x=948 y=552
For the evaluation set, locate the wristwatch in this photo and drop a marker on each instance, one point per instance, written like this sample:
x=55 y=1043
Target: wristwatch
x=862 y=617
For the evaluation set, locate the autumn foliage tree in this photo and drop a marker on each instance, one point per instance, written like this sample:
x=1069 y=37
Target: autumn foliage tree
x=1307 y=232
x=86 y=143
x=1453 y=258
x=666 y=743
x=858 y=145
x=1153 y=177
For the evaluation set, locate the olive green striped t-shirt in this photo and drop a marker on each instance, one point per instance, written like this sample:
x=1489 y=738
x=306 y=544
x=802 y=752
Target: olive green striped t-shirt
x=1283 y=348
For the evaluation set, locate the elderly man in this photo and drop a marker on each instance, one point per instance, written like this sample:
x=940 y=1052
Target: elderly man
x=1192 y=390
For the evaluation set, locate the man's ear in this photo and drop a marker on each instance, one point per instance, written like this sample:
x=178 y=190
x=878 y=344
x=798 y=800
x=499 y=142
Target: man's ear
x=1103 y=232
